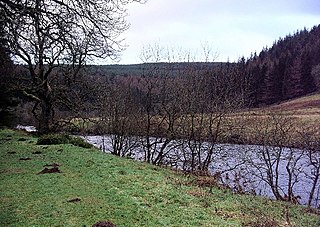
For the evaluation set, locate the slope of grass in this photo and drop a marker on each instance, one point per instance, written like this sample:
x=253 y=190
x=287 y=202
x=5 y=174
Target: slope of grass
x=304 y=110
x=125 y=192
x=302 y=114
x=308 y=103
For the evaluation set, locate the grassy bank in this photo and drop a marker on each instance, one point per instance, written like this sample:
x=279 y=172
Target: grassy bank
x=93 y=186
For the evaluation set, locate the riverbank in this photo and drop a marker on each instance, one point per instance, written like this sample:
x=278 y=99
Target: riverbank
x=243 y=168
x=91 y=186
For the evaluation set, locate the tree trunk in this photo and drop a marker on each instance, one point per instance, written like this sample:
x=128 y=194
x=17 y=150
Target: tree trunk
x=314 y=185
x=46 y=116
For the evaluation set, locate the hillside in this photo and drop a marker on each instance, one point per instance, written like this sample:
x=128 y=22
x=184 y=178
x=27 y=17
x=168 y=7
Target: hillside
x=288 y=69
x=305 y=111
x=304 y=105
x=300 y=117
x=93 y=187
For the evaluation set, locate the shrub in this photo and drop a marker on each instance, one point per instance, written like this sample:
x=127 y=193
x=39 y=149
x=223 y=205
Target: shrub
x=51 y=139
x=80 y=142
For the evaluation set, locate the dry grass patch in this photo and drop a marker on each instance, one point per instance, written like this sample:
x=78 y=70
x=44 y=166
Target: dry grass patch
x=198 y=192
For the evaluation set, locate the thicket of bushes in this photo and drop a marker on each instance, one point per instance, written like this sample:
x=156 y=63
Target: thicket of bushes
x=51 y=139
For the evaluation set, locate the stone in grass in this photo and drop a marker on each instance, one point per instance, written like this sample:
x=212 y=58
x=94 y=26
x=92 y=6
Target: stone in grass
x=50 y=170
x=37 y=152
x=76 y=200
x=104 y=224
x=25 y=159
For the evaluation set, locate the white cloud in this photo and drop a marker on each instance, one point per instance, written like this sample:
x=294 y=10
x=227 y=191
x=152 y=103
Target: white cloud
x=233 y=27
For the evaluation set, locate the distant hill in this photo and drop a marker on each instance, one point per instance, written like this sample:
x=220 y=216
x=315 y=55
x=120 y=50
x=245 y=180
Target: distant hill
x=140 y=69
x=289 y=69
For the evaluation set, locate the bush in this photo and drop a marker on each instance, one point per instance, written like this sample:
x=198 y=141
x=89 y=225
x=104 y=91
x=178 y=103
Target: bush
x=80 y=142
x=51 y=139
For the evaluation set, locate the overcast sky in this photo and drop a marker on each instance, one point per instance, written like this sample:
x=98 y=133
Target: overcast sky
x=231 y=28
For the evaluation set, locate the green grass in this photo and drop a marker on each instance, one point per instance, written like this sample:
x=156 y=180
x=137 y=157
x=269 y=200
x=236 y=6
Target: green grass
x=125 y=192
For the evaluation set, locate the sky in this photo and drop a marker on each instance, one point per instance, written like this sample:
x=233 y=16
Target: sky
x=226 y=29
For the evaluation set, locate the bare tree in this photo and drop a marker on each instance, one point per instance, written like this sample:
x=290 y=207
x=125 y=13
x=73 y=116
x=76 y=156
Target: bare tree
x=151 y=120
x=157 y=98
x=275 y=164
x=77 y=104
x=119 y=113
x=209 y=97
x=47 y=35
x=312 y=147
x=184 y=102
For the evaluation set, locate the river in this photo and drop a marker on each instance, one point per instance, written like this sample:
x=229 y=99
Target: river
x=245 y=168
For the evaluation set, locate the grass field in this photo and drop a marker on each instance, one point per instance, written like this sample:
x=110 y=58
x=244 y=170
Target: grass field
x=305 y=111
x=308 y=103
x=93 y=187
x=302 y=117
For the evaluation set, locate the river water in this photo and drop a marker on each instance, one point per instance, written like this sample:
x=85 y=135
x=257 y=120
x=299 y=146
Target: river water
x=244 y=167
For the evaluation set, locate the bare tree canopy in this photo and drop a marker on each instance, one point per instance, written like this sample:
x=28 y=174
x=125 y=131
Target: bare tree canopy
x=56 y=29
x=45 y=34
